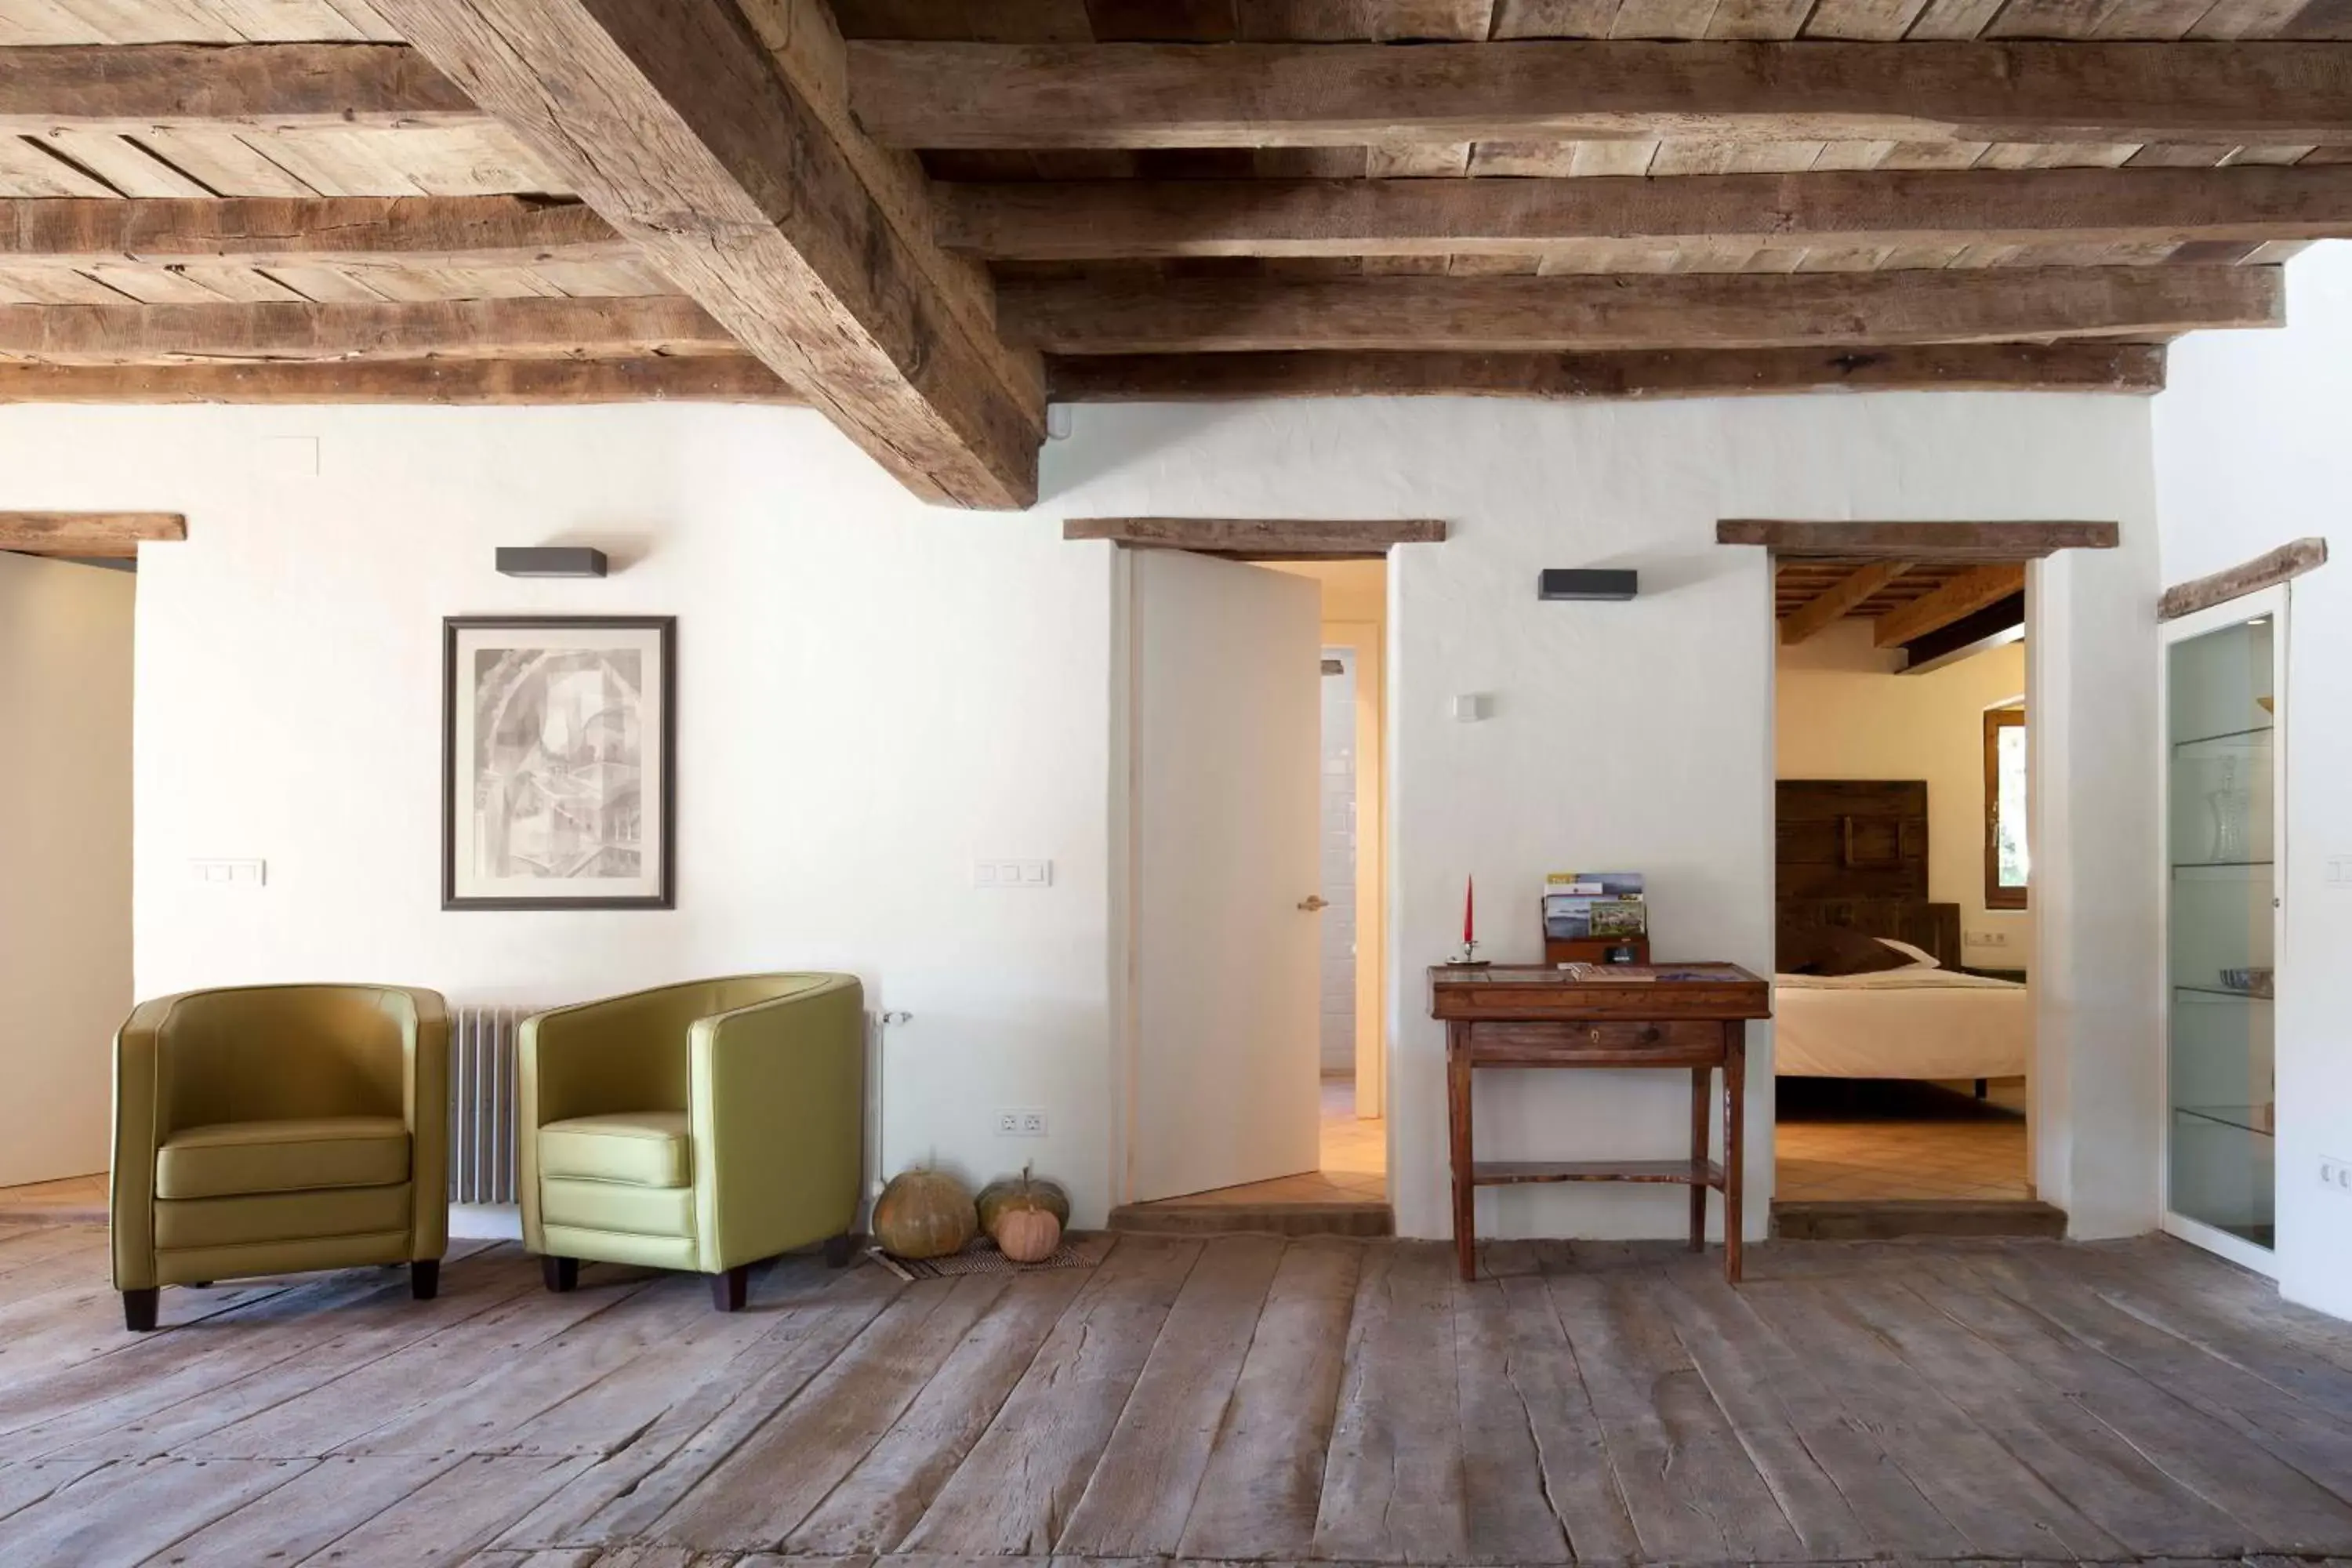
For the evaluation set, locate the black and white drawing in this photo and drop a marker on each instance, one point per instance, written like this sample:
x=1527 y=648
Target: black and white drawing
x=556 y=760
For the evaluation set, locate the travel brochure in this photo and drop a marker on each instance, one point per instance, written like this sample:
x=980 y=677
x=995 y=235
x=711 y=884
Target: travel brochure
x=1584 y=905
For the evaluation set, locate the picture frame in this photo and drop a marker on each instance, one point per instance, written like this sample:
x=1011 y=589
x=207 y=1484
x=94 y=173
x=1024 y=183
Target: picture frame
x=559 y=744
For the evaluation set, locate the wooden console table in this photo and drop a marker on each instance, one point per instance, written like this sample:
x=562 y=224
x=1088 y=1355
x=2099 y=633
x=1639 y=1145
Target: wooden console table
x=1691 y=1016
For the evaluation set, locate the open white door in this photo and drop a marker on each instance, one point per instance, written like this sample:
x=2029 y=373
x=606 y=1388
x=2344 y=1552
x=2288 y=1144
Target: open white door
x=1226 y=666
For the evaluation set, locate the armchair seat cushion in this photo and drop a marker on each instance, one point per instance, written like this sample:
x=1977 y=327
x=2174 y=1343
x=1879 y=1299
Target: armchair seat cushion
x=237 y=1159
x=642 y=1149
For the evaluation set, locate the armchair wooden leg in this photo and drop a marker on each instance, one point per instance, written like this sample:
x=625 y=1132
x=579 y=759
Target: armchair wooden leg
x=139 y=1310
x=840 y=1250
x=730 y=1291
x=561 y=1274
x=424 y=1279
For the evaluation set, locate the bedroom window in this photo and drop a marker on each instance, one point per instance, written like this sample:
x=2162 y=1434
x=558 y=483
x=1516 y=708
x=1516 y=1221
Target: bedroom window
x=2006 y=861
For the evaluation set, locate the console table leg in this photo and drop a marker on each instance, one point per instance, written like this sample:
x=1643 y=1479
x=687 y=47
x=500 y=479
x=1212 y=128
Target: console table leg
x=1734 y=1109
x=1700 y=1084
x=1465 y=1194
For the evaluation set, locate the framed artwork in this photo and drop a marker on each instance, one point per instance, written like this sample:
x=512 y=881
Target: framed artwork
x=557 y=742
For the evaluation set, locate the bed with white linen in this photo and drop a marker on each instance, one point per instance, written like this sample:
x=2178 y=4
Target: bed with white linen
x=1919 y=1022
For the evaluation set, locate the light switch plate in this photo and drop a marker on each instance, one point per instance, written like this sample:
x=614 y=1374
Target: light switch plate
x=239 y=875
x=2339 y=872
x=1012 y=873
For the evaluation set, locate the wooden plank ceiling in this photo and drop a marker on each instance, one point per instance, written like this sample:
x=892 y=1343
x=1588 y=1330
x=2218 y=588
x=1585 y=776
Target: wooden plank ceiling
x=921 y=215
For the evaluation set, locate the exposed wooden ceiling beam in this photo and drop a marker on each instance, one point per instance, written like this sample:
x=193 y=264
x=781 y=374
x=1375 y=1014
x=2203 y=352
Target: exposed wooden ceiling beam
x=1118 y=313
x=2287 y=561
x=715 y=378
x=134 y=88
x=2004 y=541
x=415 y=231
x=1834 y=603
x=675 y=123
x=1261 y=539
x=482 y=329
x=111 y=535
x=1964 y=596
x=1697 y=373
x=1249 y=95
x=1105 y=219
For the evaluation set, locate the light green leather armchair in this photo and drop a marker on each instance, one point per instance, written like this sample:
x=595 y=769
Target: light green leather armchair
x=703 y=1127
x=271 y=1128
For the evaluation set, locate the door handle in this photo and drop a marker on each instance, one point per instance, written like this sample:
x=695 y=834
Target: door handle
x=1314 y=902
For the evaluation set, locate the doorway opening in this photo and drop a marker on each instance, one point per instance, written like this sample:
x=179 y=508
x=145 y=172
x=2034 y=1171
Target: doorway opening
x=1903 y=1019
x=1257 y=1060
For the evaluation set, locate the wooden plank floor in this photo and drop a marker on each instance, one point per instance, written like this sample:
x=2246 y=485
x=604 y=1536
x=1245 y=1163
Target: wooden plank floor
x=1220 y=1399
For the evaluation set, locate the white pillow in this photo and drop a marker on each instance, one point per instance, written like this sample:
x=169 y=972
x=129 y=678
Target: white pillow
x=1919 y=957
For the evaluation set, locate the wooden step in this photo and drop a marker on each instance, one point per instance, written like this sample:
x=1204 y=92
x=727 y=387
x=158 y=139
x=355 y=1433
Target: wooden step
x=1885 y=1219
x=1170 y=1218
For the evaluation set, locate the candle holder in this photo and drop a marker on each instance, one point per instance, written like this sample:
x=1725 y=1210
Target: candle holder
x=1467 y=958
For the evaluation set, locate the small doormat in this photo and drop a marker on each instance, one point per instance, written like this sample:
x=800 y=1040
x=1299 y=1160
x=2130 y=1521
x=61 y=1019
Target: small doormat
x=982 y=1257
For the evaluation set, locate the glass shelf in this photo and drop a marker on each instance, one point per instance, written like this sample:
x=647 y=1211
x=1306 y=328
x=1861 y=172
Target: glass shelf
x=2223 y=865
x=2225 y=991
x=2240 y=743
x=2245 y=1118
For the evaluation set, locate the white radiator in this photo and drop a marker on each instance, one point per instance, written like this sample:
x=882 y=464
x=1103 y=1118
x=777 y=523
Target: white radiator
x=482 y=1104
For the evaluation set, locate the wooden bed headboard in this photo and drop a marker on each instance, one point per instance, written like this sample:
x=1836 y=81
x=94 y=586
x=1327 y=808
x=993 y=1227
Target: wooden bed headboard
x=1854 y=853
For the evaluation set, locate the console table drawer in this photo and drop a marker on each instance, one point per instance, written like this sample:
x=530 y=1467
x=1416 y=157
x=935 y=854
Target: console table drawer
x=1665 y=1042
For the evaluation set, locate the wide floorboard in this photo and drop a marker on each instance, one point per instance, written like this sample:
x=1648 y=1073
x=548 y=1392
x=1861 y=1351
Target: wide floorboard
x=1233 y=1398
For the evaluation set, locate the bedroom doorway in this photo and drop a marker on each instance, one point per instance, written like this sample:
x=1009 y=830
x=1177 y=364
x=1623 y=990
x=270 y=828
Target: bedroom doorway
x=1255 y=728
x=1904 y=1013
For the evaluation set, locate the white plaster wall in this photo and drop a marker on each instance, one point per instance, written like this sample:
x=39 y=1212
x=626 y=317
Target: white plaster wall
x=1639 y=735
x=1843 y=714
x=872 y=694
x=2251 y=454
x=65 y=842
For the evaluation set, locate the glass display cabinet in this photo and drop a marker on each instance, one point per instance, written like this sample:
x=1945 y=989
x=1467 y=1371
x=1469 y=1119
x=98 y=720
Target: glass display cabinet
x=2224 y=821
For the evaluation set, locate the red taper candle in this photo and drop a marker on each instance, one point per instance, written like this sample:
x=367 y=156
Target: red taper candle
x=1469 y=910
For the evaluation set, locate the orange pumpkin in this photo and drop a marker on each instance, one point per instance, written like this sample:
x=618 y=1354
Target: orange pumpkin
x=924 y=1214
x=1028 y=1235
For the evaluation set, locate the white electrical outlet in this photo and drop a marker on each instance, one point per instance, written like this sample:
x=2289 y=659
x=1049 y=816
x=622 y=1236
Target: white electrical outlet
x=2336 y=1175
x=1033 y=1125
x=1021 y=1122
x=1008 y=1124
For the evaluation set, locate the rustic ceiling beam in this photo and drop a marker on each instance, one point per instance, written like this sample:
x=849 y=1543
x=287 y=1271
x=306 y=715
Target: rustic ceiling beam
x=712 y=378
x=1841 y=598
x=288 y=329
x=1963 y=596
x=109 y=535
x=1120 y=313
x=1261 y=539
x=2086 y=366
x=676 y=124
x=1105 y=219
x=2268 y=569
x=140 y=87
x=269 y=231
x=2003 y=541
x=1251 y=95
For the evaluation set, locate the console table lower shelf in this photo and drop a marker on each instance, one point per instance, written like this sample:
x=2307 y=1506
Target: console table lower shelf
x=1691 y=1017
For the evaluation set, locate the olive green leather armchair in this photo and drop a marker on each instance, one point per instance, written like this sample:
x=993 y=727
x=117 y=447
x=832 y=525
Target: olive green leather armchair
x=272 y=1129
x=703 y=1127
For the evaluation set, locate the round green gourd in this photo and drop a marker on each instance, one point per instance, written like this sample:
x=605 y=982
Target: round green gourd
x=924 y=1214
x=1023 y=1192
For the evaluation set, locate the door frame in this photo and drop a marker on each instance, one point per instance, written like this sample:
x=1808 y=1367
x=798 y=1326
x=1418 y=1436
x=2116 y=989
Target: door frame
x=1372 y=970
x=2274 y=602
